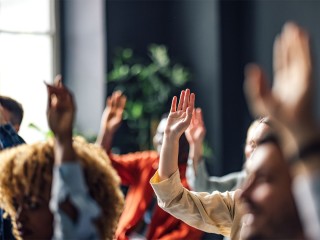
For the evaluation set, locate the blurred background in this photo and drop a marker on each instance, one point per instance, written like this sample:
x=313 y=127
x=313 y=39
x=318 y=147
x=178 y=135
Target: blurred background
x=150 y=50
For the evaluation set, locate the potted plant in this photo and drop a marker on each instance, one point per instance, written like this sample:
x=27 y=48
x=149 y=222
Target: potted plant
x=149 y=83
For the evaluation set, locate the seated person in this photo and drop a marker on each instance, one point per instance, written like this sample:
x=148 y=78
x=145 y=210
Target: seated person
x=12 y=111
x=142 y=218
x=268 y=182
x=197 y=173
x=75 y=177
x=10 y=121
x=11 y=114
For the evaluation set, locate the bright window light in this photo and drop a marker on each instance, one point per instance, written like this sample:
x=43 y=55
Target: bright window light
x=26 y=59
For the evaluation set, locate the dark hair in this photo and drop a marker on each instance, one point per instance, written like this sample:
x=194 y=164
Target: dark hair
x=15 y=109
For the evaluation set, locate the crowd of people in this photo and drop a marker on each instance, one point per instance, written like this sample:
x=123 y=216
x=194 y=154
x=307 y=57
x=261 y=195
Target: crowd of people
x=67 y=188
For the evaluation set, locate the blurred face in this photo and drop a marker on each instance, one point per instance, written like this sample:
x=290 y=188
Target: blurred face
x=183 y=142
x=33 y=217
x=256 y=131
x=270 y=212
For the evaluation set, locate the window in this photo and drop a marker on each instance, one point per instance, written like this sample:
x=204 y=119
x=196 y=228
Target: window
x=27 y=40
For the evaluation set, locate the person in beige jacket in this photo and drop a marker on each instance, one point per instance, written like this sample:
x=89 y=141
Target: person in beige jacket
x=268 y=211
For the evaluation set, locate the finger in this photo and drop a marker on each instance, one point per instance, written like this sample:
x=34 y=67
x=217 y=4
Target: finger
x=117 y=101
x=174 y=104
x=108 y=102
x=190 y=107
x=58 y=81
x=123 y=101
x=112 y=100
x=186 y=100
x=180 y=104
x=192 y=100
x=193 y=120
x=254 y=92
x=277 y=55
x=199 y=116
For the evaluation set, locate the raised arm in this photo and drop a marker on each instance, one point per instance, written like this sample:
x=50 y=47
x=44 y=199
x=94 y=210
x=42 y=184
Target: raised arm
x=195 y=134
x=111 y=119
x=73 y=208
x=290 y=100
x=178 y=121
x=60 y=115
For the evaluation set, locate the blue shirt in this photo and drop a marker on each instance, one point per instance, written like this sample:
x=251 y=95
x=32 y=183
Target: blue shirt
x=9 y=137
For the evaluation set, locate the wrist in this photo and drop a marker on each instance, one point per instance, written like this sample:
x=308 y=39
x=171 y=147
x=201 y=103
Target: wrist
x=171 y=137
x=307 y=150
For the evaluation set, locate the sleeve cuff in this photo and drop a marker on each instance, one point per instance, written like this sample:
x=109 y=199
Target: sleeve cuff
x=167 y=189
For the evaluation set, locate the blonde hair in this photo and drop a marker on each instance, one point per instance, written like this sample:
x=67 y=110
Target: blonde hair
x=28 y=168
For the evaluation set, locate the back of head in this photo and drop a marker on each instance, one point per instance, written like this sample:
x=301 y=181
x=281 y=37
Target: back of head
x=27 y=170
x=14 y=109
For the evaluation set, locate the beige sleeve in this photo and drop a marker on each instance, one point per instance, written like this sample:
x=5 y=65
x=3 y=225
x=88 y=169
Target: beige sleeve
x=212 y=213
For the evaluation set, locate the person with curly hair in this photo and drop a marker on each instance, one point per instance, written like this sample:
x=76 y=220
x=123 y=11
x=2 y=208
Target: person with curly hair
x=63 y=188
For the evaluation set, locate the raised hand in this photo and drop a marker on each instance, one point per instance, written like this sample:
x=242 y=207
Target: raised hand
x=195 y=134
x=290 y=101
x=178 y=121
x=111 y=119
x=196 y=131
x=60 y=109
x=112 y=115
x=180 y=117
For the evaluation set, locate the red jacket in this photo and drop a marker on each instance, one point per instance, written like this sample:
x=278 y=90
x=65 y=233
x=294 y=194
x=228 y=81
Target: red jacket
x=135 y=171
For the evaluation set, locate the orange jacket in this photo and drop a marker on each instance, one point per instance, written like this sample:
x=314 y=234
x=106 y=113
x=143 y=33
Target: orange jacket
x=135 y=171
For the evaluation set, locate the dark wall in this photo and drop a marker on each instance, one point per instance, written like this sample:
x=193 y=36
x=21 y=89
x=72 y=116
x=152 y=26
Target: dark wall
x=207 y=37
x=136 y=24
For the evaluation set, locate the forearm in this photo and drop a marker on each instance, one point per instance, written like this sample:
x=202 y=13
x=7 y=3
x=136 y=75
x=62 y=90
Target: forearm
x=105 y=139
x=195 y=154
x=63 y=149
x=168 y=157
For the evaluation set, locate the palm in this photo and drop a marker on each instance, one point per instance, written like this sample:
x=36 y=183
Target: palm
x=177 y=122
x=290 y=99
x=61 y=110
x=292 y=63
x=112 y=116
x=196 y=132
x=180 y=116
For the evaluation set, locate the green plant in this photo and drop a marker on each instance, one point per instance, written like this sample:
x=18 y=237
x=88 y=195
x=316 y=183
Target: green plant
x=148 y=85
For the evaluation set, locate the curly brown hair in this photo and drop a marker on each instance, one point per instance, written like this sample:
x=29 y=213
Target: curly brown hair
x=28 y=168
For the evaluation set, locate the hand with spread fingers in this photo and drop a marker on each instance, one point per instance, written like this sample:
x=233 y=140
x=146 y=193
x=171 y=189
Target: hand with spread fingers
x=178 y=121
x=111 y=119
x=195 y=134
x=290 y=101
x=112 y=115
